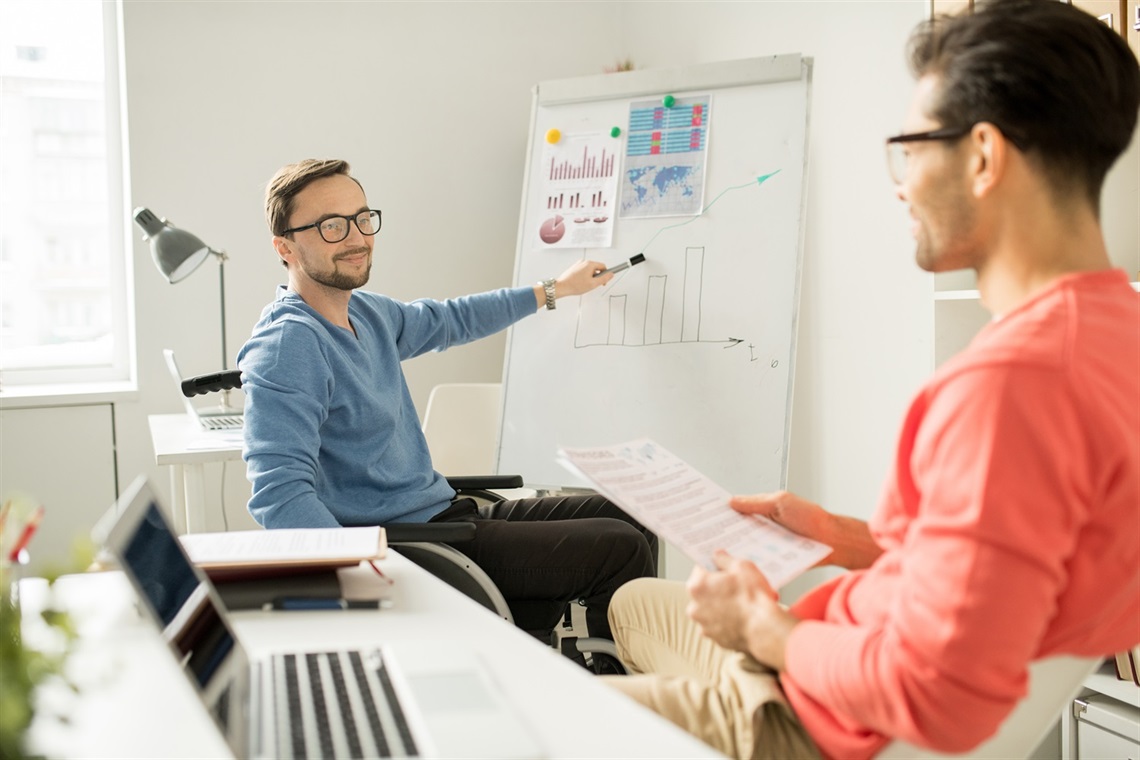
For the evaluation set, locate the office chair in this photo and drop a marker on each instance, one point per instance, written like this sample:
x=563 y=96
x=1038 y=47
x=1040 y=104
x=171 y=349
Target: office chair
x=1053 y=683
x=427 y=544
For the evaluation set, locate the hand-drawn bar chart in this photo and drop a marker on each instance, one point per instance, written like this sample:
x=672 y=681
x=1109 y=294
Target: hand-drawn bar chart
x=659 y=309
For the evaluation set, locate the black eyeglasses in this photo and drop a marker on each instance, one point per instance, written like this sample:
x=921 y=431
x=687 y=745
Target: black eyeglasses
x=335 y=228
x=896 y=147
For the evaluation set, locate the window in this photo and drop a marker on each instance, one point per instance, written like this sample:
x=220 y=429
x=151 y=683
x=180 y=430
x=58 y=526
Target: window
x=63 y=254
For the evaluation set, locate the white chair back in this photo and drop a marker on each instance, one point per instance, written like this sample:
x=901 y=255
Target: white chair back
x=1053 y=683
x=461 y=424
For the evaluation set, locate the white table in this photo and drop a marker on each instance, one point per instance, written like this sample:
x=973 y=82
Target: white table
x=142 y=706
x=180 y=442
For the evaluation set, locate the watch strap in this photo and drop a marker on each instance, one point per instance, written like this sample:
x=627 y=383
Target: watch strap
x=548 y=288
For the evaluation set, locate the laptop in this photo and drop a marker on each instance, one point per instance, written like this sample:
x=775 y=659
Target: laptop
x=398 y=699
x=217 y=418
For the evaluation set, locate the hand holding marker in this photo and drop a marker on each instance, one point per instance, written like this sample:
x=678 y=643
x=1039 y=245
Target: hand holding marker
x=622 y=266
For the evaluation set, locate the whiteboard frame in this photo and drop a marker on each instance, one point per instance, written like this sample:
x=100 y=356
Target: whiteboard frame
x=648 y=82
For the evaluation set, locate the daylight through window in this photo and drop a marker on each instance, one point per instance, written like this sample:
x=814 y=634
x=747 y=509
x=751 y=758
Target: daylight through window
x=63 y=296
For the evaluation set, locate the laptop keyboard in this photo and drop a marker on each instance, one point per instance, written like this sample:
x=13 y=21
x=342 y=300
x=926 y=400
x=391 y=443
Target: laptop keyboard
x=222 y=422
x=332 y=705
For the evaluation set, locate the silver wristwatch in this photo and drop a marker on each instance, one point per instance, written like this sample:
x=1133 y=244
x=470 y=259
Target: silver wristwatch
x=548 y=288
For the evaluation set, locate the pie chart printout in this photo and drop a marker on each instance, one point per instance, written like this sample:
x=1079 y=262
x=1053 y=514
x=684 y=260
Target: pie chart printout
x=552 y=230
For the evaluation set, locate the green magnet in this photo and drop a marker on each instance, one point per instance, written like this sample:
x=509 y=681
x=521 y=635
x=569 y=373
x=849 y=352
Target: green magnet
x=615 y=131
x=668 y=101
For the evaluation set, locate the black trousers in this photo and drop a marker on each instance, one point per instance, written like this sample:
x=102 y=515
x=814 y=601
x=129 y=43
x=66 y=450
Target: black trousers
x=545 y=552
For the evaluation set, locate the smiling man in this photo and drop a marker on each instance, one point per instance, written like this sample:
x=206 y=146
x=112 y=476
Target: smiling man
x=1009 y=525
x=332 y=437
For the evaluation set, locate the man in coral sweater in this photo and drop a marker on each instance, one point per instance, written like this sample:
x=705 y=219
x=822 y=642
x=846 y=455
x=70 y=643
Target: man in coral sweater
x=1009 y=525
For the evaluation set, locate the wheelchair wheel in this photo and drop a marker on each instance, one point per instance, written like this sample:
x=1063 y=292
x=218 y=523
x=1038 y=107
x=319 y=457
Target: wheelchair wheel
x=603 y=664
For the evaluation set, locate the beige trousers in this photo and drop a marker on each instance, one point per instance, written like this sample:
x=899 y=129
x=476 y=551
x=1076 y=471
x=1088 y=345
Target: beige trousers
x=726 y=699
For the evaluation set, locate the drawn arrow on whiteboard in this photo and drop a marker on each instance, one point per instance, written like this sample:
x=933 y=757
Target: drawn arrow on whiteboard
x=733 y=342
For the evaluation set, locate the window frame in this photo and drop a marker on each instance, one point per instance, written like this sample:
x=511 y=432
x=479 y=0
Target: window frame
x=120 y=371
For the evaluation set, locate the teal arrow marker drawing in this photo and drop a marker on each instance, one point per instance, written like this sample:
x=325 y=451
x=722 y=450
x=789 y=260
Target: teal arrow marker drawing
x=759 y=181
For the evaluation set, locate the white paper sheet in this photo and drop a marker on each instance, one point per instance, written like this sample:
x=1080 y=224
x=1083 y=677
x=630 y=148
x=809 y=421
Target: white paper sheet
x=688 y=510
x=251 y=546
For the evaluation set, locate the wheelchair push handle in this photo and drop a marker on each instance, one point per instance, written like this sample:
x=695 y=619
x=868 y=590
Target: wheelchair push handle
x=215 y=381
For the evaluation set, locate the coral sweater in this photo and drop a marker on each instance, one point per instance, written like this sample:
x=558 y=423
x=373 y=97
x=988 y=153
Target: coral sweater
x=1010 y=524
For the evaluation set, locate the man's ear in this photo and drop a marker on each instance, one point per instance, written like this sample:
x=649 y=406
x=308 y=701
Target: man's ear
x=284 y=248
x=989 y=157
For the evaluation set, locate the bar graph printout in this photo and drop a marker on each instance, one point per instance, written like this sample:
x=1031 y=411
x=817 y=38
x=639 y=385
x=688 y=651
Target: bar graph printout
x=690 y=511
x=578 y=190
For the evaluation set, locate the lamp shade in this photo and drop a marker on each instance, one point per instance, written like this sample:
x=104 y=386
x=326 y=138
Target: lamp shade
x=176 y=252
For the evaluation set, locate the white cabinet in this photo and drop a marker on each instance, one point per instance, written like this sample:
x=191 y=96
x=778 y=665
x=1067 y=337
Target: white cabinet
x=64 y=459
x=1104 y=722
x=1106 y=729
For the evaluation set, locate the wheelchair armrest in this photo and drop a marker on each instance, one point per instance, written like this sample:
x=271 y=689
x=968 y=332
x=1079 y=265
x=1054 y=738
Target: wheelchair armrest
x=484 y=482
x=433 y=533
x=215 y=381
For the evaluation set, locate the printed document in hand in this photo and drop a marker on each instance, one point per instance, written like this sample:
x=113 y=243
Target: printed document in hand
x=689 y=511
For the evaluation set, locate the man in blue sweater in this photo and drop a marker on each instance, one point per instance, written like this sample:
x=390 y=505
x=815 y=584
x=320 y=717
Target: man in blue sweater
x=332 y=437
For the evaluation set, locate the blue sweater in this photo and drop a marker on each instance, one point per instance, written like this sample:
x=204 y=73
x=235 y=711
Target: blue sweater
x=331 y=435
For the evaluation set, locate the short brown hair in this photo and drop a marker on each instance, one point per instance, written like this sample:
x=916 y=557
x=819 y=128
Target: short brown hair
x=1062 y=86
x=292 y=179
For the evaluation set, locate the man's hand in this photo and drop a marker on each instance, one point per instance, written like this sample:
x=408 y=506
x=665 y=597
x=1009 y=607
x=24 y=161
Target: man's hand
x=738 y=609
x=848 y=537
x=575 y=281
x=579 y=278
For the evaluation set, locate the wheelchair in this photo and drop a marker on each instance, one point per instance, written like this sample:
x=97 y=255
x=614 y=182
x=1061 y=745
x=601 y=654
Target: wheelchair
x=427 y=545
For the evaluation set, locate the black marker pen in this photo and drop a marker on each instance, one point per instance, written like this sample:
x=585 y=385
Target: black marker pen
x=622 y=266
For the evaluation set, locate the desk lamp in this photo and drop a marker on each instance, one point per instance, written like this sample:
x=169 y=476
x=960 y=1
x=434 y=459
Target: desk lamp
x=177 y=253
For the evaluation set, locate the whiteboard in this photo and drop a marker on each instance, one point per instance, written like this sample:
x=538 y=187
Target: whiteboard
x=695 y=347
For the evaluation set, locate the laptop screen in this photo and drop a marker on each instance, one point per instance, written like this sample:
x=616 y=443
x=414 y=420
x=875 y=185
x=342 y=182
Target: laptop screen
x=180 y=599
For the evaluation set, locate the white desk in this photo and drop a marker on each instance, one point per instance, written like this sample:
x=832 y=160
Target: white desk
x=141 y=706
x=180 y=442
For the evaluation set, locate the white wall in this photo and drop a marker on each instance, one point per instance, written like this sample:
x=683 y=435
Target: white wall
x=430 y=102
x=866 y=319
x=865 y=312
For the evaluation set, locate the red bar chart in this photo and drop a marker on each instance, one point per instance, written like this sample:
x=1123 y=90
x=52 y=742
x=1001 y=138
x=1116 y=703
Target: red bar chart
x=586 y=166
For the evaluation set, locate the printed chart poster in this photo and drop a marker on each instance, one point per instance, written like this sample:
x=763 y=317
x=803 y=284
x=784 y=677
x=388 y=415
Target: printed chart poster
x=665 y=158
x=579 y=187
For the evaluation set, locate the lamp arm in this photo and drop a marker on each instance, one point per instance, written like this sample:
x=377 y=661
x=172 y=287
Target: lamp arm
x=222 y=301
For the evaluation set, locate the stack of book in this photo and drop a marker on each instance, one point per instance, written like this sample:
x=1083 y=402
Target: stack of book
x=1128 y=665
x=252 y=568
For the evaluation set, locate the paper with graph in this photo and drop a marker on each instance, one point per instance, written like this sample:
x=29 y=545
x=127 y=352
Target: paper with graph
x=690 y=511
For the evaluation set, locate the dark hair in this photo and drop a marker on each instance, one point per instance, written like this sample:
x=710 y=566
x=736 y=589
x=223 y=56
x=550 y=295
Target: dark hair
x=292 y=179
x=1061 y=85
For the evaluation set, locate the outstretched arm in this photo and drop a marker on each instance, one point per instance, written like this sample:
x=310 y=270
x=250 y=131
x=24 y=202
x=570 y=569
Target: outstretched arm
x=575 y=281
x=850 y=538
